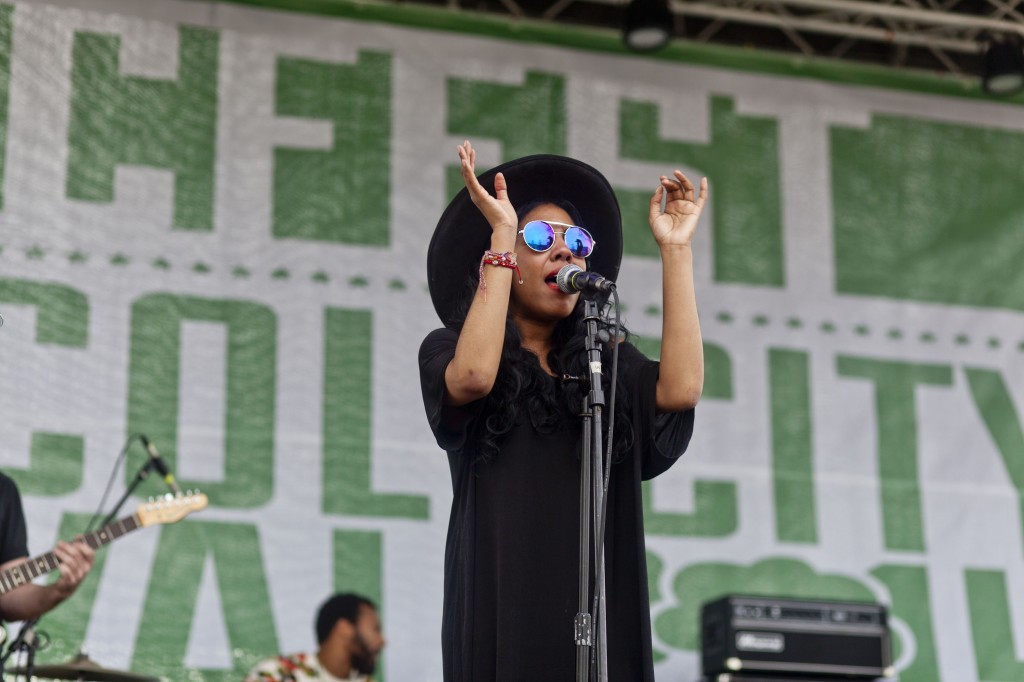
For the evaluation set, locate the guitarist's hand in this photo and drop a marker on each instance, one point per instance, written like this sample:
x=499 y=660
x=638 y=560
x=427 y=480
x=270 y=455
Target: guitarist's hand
x=75 y=561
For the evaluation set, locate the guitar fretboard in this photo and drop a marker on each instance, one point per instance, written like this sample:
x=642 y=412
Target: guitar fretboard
x=28 y=571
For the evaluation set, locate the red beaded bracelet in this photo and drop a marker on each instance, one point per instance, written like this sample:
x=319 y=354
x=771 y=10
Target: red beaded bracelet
x=505 y=260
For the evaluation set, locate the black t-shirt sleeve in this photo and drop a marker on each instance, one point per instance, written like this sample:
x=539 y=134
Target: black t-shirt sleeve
x=449 y=424
x=660 y=439
x=13 y=536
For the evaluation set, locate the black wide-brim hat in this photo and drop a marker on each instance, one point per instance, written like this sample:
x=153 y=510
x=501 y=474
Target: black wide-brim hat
x=463 y=234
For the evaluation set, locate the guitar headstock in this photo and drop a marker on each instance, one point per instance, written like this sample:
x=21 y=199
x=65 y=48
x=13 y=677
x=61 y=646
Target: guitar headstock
x=170 y=508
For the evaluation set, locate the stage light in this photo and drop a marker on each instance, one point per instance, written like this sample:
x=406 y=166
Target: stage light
x=648 y=25
x=1003 y=67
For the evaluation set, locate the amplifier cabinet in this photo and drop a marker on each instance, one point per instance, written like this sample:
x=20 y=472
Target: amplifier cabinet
x=795 y=636
x=769 y=677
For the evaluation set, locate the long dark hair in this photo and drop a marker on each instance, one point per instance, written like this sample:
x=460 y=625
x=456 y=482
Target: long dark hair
x=522 y=385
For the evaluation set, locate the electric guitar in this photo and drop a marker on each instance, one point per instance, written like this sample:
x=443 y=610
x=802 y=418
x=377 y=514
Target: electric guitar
x=166 y=509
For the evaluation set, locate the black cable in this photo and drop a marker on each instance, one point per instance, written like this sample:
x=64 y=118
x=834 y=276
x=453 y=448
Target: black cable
x=110 y=481
x=599 y=540
x=29 y=641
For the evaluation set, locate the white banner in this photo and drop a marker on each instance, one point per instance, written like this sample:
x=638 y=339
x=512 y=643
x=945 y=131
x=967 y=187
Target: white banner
x=213 y=231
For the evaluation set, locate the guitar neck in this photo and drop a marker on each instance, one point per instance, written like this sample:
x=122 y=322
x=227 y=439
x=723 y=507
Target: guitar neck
x=27 y=571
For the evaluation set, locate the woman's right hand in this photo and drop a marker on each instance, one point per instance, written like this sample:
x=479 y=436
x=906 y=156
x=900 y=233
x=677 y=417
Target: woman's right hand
x=471 y=373
x=498 y=210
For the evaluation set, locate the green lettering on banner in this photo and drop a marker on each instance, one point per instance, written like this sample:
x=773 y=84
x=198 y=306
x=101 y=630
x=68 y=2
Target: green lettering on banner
x=718 y=380
x=895 y=383
x=715 y=508
x=911 y=603
x=169 y=124
x=6 y=13
x=55 y=467
x=169 y=610
x=359 y=568
x=526 y=119
x=991 y=627
x=62 y=319
x=792 y=449
x=62 y=313
x=359 y=563
x=954 y=190
x=718 y=384
x=67 y=625
x=348 y=345
x=715 y=512
x=637 y=239
x=742 y=165
x=718 y=366
x=995 y=405
x=341 y=194
x=251 y=366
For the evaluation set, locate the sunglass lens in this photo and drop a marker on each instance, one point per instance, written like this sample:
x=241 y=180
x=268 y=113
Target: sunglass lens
x=538 y=235
x=579 y=241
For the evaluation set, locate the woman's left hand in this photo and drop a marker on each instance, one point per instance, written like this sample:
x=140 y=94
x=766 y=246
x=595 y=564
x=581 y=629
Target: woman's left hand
x=676 y=224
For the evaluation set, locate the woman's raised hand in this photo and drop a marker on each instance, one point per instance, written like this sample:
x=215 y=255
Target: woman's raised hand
x=498 y=210
x=676 y=224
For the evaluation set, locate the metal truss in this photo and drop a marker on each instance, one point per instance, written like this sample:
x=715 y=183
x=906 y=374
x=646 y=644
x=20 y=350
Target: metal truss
x=945 y=29
x=945 y=36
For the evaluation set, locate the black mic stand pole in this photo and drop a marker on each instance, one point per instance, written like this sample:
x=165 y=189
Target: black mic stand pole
x=141 y=476
x=588 y=648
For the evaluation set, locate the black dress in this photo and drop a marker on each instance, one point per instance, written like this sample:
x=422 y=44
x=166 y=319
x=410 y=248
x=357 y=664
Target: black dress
x=511 y=560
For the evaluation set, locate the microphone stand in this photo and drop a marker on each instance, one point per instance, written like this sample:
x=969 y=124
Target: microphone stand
x=591 y=504
x=26 y=639
x=140 y=476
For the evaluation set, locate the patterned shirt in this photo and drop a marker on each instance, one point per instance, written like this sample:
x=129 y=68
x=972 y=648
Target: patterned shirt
x=297 y=668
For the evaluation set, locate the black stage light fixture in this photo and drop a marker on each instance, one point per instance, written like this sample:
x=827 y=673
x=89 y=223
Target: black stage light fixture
x=1003 y=67
x=648 y=25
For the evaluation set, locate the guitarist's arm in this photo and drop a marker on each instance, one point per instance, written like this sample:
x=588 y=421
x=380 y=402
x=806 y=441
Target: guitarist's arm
x=30 y=600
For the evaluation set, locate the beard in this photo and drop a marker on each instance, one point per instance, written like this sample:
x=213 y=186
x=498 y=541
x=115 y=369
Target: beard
x=363 y=660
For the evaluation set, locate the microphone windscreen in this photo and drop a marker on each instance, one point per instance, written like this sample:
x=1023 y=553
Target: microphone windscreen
x=564 y=278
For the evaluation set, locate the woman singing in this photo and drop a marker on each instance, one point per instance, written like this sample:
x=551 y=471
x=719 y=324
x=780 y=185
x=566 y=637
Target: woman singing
x=497 y=402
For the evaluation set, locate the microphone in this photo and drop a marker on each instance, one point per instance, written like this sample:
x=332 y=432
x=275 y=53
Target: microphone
x=573 y=279
x=160 y=465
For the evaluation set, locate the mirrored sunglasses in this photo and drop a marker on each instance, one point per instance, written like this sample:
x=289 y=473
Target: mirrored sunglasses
x=539 y=235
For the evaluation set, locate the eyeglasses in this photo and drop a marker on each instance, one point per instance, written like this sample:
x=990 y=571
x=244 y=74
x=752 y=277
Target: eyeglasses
x=539 y=235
